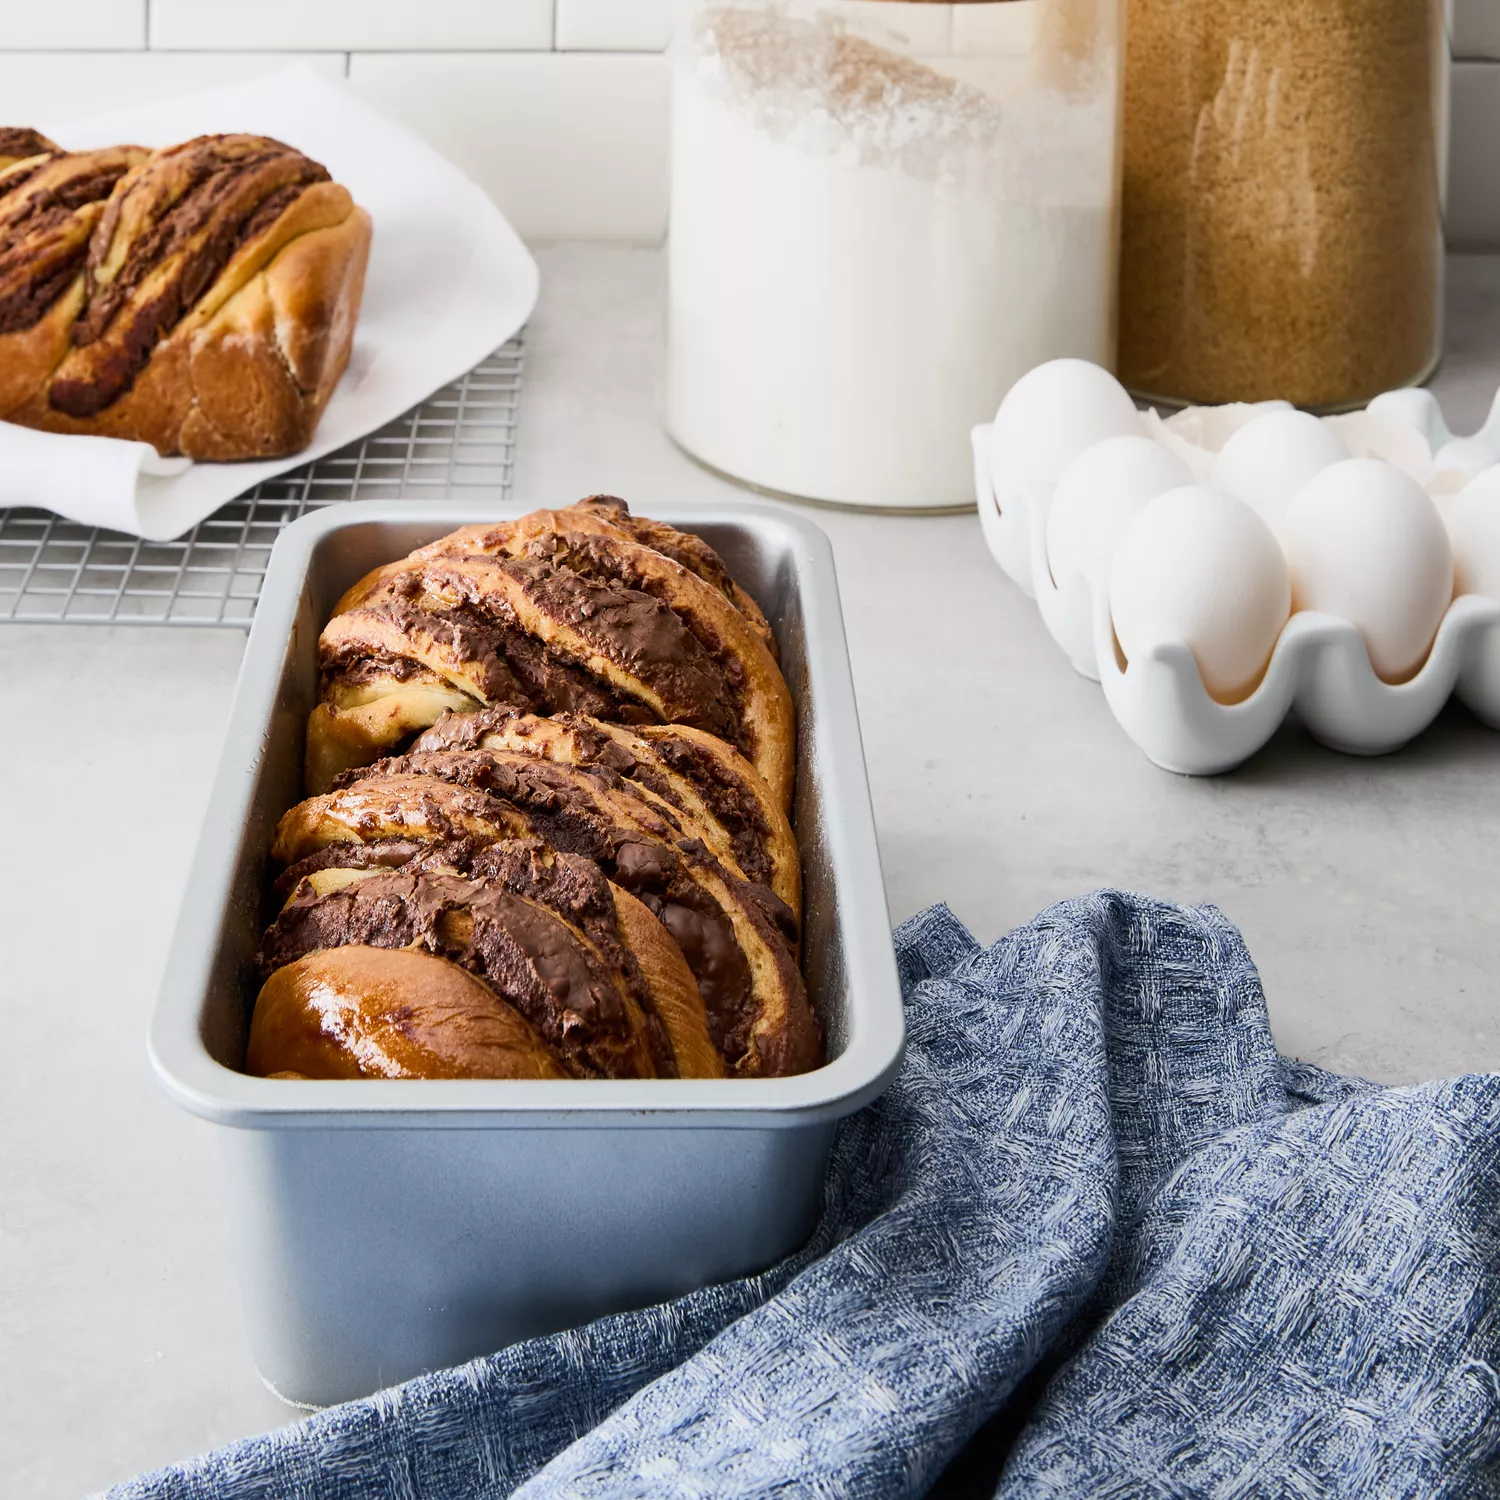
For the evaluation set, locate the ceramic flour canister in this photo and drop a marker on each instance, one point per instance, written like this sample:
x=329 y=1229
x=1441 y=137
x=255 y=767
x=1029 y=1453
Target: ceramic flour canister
x=882 y=216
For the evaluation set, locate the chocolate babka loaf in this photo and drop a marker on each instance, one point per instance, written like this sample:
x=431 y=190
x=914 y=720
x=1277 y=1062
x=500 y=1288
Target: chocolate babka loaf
x=21 y=143
x=51 y=203
x=200 y=298
x=561 y=611
x=550 y=875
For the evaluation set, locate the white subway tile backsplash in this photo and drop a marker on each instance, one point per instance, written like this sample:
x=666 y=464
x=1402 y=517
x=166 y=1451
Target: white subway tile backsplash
x=614 y=25
x=1476 y=28
x=80 y=24
x=571 y=142
x=569 y=145
x=347 y=25
x=1474 y=166
x=48 y=89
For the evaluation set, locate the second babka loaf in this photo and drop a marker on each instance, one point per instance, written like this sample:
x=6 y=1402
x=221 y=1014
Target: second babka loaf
x=200 y=298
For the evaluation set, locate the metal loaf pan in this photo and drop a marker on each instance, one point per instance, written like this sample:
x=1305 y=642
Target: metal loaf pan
x=384 y=1228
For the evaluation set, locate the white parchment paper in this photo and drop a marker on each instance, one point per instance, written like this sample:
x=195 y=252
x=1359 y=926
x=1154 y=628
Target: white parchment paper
x=449 y=281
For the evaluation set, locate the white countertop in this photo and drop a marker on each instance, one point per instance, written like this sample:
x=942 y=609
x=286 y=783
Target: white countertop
x=1001 y=783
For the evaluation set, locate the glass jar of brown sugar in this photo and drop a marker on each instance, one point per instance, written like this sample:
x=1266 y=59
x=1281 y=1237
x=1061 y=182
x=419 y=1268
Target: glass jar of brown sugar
x=1282 y=204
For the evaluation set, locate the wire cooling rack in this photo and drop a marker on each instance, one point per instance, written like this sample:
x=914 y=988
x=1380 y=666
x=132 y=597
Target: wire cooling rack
x=57 y=571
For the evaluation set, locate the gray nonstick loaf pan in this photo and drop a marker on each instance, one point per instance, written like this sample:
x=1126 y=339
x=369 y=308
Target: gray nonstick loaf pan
x=387 y=1227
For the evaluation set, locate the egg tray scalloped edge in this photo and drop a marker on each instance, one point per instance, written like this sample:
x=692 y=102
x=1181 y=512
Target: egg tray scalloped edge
x=1320 y=664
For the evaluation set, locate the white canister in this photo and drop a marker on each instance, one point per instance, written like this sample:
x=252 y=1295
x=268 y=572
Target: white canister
x=883 y=214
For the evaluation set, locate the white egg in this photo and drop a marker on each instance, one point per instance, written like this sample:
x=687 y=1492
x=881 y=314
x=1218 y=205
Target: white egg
x=1268 y=460
x=1196 y=433
x=1099 y=494
x=1366 y=543
x=1211 y=427
x=1049 y=416
x=1474 y=525
x=1201 y=567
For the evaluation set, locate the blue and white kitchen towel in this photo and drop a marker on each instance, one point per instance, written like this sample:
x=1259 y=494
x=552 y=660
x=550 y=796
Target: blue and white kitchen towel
x=1096 y=1211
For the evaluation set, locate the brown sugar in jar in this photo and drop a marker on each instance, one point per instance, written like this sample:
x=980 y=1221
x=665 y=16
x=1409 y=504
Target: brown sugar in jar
x=1282 y=203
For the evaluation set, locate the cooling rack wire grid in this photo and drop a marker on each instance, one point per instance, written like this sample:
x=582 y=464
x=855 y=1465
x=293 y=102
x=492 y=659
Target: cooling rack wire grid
x=463 y=438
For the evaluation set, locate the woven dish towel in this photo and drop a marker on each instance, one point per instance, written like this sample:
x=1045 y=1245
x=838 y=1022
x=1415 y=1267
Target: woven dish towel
x=1096 y=1216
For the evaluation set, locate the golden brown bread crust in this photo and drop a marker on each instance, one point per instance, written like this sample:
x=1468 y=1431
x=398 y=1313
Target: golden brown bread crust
x=553 y=612
x=364 y=1012
x=50 y=205
x=549 y=970
x=217 y=309
x=22 y=143
x=29 y=355
x=350 y=729
x=611 y=513
x=264 y=368
x=421 y=808
x=736 y=937
x=170 y=229
x=673 y=989
x=577 y=540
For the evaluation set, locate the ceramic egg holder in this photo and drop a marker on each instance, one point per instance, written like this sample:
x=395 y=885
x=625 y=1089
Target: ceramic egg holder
x=1319 y=665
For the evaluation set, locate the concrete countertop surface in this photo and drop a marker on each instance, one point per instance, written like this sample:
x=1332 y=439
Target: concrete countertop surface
x=1365 y=888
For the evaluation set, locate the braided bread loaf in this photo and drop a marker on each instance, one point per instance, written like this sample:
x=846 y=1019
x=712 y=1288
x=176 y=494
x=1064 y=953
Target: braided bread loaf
x=200 y=298
x=550 y=876
x=559 y=611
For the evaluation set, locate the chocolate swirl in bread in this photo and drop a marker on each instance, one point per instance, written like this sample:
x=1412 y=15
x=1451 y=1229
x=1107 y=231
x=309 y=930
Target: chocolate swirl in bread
x=48 y=209
x=623 y=931
x=608 y=515
x=21 y=143
x=572 y=705
x=533 y=959
x=718 y=796
x=162 y=242
x=724 y=620
x=200 y=298
x=612 y=514
x=50 y=205
x=397 y=820
x=736 y=936
x=551 y=614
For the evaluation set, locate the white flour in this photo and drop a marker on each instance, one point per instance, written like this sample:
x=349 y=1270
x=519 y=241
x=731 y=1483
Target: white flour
x=865 y=255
